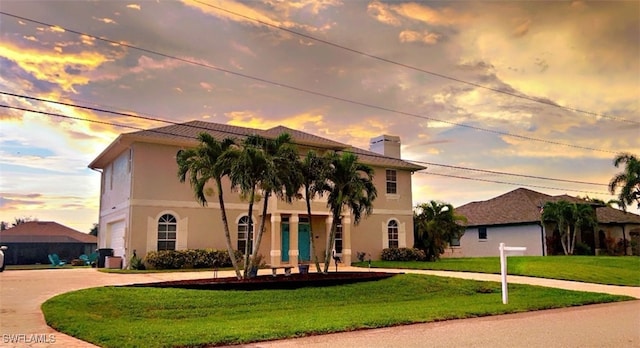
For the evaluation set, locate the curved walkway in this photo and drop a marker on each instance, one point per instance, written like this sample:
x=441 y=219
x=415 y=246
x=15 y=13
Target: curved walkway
x=23 y=292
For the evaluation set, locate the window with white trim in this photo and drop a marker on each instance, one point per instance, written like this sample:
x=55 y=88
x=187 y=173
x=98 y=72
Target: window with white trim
x=392 y=181
x=392 y=232
x=243 y=234
x=167 y=232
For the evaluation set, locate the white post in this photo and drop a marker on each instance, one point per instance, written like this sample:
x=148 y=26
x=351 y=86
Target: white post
x=503 y=274
x=503 y=269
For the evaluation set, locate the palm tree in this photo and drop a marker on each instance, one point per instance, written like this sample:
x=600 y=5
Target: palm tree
x=202 y=164
x=436 y=225
x=313 y=176
x=266 y=165
x=350 y=185
x=628 y=180
x=570 y=219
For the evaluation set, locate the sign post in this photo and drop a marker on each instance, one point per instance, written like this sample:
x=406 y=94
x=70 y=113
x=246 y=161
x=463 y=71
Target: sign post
x=503 y=269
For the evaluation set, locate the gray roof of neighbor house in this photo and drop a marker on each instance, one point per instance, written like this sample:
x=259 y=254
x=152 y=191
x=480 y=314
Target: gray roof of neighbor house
x=522 y=206
x=45 y=232
x=186 y=134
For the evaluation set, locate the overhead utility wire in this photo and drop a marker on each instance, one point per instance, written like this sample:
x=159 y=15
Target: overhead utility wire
x=512 y=183
x=299 y=89
x=369 y=55
x=239 y=134
x=191 y=137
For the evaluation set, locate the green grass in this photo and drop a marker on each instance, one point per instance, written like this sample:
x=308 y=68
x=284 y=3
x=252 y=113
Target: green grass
x=155 y=317
x=614 y=270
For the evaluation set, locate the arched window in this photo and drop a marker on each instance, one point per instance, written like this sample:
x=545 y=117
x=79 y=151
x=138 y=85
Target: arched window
x=243 y=234
x=392 y=232
x=167 y=229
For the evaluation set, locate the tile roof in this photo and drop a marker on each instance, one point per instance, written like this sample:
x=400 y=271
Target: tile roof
x=44 y=232
x=185 y=134
x=522 y=206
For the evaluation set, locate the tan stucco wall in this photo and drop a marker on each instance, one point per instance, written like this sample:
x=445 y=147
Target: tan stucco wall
x=156 y=190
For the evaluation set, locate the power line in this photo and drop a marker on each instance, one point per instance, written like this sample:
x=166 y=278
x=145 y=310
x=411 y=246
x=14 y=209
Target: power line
x=299 y=89
x=372 y=56
x=204 y=128
x=512 y=183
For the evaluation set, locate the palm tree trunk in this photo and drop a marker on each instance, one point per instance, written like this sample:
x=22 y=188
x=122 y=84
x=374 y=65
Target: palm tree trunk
x=573 y=243
x=247 y=254
x=263 y=219
x=330 y=241
x=227 y=234
x=313 y=246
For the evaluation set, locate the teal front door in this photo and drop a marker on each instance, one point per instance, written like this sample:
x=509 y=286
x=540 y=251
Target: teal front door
x=304 y=242
x=285 y=242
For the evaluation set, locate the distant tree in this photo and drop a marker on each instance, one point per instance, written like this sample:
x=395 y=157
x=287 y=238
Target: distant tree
x=570 y=218
x=3 y=225
x=350 y=185
x=628 y=180
x=22 y=220
x=436 y=225
x=94 y=230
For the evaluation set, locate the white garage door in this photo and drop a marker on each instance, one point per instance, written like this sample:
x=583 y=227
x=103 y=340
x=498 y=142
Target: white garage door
x=117 y=238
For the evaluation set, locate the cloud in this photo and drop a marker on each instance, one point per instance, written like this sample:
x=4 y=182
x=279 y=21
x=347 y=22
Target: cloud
x=52 y=67
x=382 y=13
x=414 y=36
x=134 y=6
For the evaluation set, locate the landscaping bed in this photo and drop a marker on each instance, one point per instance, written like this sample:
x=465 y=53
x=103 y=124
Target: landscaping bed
x=268 y=282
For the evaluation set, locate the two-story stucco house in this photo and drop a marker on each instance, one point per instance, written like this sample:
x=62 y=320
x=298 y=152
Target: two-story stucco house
x=144 y=207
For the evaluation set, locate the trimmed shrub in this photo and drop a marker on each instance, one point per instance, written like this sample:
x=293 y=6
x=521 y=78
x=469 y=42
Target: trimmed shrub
x=191 y=258
x=403 y=254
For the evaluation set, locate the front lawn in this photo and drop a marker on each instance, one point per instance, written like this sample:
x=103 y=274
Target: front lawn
x=614 y=270
x=154 y=317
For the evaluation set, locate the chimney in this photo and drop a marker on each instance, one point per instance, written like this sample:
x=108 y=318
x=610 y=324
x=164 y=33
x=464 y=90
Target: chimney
x=388 y=145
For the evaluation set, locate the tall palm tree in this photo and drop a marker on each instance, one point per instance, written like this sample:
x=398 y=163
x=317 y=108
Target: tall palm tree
x=265 y=165
x=313 y=176
x=202 y=164
x=628 y=180
x=436 y=225
x=350 y=186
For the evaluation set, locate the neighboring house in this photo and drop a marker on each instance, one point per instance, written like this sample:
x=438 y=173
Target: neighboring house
x=31 y=242
x=144 y=207
x=514 y=219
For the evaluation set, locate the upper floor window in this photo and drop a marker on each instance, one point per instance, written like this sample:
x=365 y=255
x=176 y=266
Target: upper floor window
x=167 y=229
x=392 y=232
x=243 y=234
x=482 y=233
x=392 y=181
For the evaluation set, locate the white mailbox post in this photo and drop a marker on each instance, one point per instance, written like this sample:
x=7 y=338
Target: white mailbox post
x=503 y=269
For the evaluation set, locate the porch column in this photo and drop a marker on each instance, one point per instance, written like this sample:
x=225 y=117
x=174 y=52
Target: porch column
x=293 y=239
x=346 y=241
x=275 y=239
x=327 y=225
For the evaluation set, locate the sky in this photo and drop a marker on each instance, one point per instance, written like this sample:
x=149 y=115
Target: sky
x=542 y=90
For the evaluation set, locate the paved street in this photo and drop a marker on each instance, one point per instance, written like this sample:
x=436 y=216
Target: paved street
x=609 y=325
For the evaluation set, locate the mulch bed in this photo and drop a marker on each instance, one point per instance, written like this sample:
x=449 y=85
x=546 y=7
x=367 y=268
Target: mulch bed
x=263 y=282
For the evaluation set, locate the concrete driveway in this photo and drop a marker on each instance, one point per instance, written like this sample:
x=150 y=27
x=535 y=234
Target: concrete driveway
x=618 y=325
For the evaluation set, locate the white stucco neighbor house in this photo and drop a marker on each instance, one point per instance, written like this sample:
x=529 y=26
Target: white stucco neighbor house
x=514 y=219
x=144 y=207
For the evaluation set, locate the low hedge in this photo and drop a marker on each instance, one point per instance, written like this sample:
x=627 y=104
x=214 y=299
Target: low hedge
x=403 y=254
x=191 y=258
